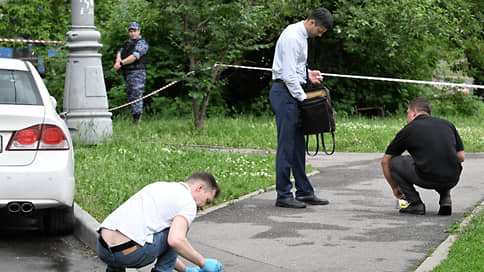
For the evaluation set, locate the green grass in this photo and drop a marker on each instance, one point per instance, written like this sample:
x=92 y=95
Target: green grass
x=374 y=135
x=467 y=253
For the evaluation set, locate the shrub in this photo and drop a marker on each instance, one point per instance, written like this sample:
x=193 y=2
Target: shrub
x=455 y=102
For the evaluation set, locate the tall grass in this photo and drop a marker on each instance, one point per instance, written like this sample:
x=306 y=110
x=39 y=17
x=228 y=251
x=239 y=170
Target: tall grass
x=171 y=149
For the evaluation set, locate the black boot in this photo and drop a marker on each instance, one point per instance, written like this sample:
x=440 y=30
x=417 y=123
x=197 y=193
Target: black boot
x=445 y=203
x=136 y=118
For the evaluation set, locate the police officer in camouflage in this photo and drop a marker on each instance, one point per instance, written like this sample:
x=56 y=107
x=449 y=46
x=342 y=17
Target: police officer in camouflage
x=131 y=61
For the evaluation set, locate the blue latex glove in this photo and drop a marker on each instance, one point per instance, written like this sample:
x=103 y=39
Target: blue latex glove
x=211 y=265
x=192 y=269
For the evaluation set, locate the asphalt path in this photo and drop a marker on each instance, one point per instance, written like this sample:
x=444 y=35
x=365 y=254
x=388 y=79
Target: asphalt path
x=24 y=247
x=360 y=230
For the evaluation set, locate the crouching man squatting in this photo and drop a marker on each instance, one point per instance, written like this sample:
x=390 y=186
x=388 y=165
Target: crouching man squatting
x=436 y=153
x=152 y=226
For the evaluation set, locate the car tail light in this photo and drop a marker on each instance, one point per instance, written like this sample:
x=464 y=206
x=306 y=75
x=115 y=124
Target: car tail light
x=38 y=137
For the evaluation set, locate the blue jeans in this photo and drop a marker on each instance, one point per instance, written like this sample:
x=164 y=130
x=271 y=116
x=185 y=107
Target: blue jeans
x=159 y=250
x=291 y=148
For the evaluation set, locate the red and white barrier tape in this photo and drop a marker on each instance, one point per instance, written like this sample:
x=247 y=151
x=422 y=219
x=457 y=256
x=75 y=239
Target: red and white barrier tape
x=324 y=74
x=438 y=83
x=150 y=94
x=28 y=41
x=159 y=90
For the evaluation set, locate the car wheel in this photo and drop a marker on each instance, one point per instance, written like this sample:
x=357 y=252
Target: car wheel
x=59 y=221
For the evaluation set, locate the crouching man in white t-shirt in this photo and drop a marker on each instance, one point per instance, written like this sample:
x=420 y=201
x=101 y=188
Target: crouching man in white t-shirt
x=152 y=225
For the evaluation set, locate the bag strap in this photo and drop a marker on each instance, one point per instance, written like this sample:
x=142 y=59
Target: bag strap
x=307 y=146
x=317 y=145
x=324 y=146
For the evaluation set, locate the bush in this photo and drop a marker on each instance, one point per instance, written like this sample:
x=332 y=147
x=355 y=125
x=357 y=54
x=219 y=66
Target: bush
x=454 y=102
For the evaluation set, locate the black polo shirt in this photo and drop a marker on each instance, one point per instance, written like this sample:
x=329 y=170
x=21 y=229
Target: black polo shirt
x=433 y=143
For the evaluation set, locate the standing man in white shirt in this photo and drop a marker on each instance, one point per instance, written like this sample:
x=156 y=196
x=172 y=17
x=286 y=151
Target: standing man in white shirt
x=289 y=72
x=152 y=225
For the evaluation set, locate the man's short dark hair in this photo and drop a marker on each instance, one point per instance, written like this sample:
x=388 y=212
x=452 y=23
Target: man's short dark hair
x=322 y=16
x=206 y=178
x=420 y=104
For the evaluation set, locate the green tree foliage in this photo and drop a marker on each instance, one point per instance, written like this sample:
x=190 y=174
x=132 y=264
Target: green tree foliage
x=389 y=38
x=39 y=20
x=473 y=40
x=35 y=19
x=398 y=39
x=186 y=36
x=210 y=32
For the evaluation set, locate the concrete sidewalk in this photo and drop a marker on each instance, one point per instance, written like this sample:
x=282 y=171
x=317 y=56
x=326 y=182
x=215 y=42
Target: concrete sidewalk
x=361 y=229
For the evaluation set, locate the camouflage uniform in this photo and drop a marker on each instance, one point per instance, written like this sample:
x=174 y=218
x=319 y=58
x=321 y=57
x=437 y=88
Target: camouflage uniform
x=135 y=85
x=135 y=73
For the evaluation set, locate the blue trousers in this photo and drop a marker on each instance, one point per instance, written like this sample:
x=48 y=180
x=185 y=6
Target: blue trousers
x=159 y=250
x=291 y=148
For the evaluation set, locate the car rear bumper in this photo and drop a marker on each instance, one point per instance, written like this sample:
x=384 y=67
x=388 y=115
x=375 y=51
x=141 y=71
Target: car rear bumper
x=46 y=183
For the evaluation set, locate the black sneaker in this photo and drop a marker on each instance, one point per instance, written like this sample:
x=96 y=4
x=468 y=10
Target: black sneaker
x=414 y=208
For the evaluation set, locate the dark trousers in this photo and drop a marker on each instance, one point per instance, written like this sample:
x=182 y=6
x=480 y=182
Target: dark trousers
x=291 y=152
x=404 y=173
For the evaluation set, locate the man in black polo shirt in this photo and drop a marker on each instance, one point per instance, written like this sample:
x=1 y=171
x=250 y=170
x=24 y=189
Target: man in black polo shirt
x=436 y=153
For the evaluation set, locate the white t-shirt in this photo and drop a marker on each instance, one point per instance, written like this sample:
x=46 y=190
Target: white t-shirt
x=152 y=210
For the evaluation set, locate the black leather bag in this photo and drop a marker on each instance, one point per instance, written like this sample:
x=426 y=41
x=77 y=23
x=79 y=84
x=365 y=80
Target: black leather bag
x=317 y=116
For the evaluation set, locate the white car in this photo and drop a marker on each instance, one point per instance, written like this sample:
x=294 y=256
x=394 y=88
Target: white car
x=36 y=154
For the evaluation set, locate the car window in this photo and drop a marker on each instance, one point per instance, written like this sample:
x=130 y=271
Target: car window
x=18 y=88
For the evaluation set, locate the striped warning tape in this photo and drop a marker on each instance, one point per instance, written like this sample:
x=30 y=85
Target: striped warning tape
x=150 y=94
x=157 y=91
x=28 y=41
x=436 y=83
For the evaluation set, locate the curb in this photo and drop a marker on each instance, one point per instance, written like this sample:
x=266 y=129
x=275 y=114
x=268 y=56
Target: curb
x=85 y=227
x=440 y=254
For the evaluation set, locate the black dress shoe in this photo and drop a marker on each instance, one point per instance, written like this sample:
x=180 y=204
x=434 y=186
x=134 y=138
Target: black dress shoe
x=312 y=200
x=445 y=203
x=414 y=208
x=289 y=202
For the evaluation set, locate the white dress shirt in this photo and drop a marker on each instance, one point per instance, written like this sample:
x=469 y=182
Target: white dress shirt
x=152 y=210
x=290 y=59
